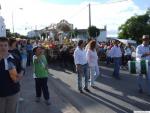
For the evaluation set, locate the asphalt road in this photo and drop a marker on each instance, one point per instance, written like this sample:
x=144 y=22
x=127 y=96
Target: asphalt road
x=110 y=96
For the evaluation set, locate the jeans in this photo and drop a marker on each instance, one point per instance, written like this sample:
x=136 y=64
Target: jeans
x=117 y=61
x=41 y=86
x=9 y=104
x=108 y=60
x=141 y=81
x=94 y=73
x=83 y=73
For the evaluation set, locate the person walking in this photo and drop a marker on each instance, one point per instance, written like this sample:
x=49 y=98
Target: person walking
x=81 y=66
x=29 y=48
x=92 y=59
x=143 y=53
x=116 y=54
x=41 y=75
x=9 y=79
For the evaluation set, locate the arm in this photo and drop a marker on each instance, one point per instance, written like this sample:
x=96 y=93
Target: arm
x=76 y=60
x=112 y=52
x=45 y=62
x=140 y=54
x=88 y=56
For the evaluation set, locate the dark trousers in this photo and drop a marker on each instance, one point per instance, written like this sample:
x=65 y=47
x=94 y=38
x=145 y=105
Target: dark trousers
x=29 y=58
x=41 y=87
x=116 y=66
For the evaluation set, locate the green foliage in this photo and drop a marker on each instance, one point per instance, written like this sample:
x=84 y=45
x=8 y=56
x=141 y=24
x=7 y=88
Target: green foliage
x=93 y=31
x=73 y=33
x=135 y=27
x=8 y=33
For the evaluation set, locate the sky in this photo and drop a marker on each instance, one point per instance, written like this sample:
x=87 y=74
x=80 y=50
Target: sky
x=37 y=14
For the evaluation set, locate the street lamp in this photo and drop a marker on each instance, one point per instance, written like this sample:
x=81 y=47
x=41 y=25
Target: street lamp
x=13 y=27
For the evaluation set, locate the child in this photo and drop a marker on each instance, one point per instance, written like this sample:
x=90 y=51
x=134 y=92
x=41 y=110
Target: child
x=41 y=75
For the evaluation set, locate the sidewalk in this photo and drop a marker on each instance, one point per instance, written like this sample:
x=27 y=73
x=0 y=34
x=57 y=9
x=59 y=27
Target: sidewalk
x=58 y=103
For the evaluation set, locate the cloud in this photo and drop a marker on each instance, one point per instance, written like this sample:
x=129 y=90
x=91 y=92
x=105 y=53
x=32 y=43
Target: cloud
x=39 y=13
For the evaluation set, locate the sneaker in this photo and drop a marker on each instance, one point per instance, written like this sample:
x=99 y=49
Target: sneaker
x=47 y=102
x=93 y=86
x=86 y=89
x=140 y=91
x=81 y=91
x=37 y=99
x=21 y=99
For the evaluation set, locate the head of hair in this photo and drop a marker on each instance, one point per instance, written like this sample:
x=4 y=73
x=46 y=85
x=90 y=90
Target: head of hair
x=80 y=42
x=3 y=39
x=28 y=41
x=12 y=41
x=34 y=49
x=145 y=37
x=92 y=45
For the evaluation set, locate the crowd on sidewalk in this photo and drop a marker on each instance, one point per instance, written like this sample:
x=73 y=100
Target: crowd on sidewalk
x=82 y=56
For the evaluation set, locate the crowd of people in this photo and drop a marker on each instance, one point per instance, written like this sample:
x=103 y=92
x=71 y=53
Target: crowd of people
x=86 y=61
x=83 y=57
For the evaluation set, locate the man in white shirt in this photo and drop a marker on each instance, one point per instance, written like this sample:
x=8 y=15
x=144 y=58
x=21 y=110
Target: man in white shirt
x=143 y=53
x=81 y=65
x=116 y=54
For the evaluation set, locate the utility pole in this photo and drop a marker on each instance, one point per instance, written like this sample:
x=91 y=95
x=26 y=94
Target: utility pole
x=13 y=21
x=89 y=15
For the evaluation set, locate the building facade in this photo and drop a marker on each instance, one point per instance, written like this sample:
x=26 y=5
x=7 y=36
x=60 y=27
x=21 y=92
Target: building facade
x=2 y=27
x=83 y=34
x=34 y=33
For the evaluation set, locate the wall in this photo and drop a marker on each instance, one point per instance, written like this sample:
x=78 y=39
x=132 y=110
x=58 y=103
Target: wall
x=2 y=27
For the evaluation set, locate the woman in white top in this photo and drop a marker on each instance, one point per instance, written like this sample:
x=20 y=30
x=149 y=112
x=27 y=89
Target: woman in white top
x=92 y=59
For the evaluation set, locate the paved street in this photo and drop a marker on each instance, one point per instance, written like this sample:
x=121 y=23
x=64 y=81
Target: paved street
x=110 y=96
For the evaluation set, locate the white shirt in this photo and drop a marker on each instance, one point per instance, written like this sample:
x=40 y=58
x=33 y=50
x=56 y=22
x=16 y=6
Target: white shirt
x=80 y=56
x=140 y=50
x=128 y=51
x=115 y=51
x=92 y=58
x=108 y=54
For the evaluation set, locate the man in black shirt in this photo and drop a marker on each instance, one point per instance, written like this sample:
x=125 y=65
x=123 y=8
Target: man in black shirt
x=9 y=88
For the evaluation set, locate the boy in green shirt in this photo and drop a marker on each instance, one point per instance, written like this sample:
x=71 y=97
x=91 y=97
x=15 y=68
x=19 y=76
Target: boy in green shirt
x=41 y=75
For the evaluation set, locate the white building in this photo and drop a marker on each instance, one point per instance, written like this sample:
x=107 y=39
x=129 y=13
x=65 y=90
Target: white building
x=83 y=34
x=2 y=27
x=102 y=36
x=34 y=33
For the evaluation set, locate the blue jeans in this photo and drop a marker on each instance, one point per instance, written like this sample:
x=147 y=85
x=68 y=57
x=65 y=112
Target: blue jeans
x=141 y=81
x=108 y=60
x=117 y=61
x=94 y=73
x=83 y=73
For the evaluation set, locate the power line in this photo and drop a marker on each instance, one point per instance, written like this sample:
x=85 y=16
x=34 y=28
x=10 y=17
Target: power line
x=79 y=11
x=118 y=1
x=82 y=9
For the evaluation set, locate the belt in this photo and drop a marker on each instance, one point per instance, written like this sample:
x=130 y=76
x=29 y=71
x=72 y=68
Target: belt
x=83 y=64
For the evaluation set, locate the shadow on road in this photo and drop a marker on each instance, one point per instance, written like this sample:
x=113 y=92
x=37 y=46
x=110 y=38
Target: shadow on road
x=80 y=100
x=127 y=86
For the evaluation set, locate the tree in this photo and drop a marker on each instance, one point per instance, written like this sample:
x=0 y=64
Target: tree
x=93 y=31
x=8 y=33
x=73 y=33
x=135 y=27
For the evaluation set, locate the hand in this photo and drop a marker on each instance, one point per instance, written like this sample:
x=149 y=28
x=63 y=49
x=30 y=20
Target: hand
x=78 y=68
x=19 y=76
x=146 y=54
